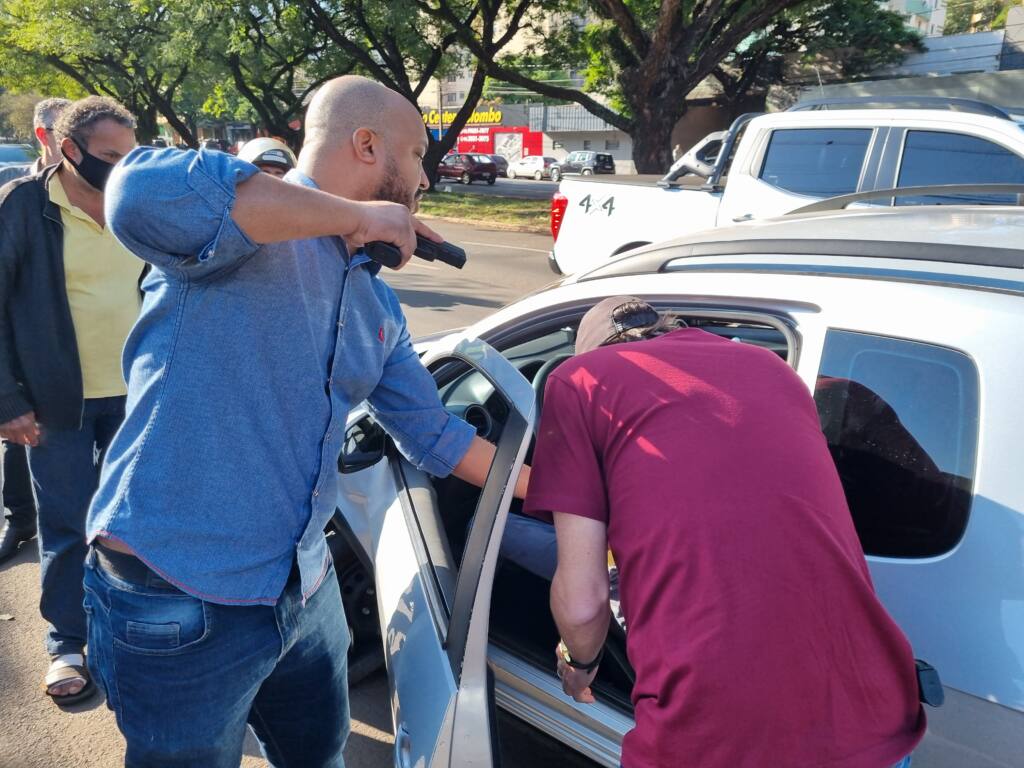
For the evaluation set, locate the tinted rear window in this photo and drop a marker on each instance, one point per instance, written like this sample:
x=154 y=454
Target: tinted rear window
x=14 y=154
x=937 y=157
x=816 y=162
x=901 y=421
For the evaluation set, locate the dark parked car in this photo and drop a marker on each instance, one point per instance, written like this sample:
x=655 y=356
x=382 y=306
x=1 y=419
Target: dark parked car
x=468 y=168
x=501 y=163
x=583 y=164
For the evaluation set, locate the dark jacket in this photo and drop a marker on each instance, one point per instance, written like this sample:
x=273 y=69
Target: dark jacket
x=39 y=366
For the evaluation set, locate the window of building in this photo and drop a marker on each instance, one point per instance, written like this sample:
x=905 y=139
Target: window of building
x=611 y=144
x=939 y=157
x=451 y=98
x=587 y=143
x=901 y=421
x=816 y=162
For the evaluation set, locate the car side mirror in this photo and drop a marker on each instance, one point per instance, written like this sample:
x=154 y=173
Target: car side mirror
x=365 y=442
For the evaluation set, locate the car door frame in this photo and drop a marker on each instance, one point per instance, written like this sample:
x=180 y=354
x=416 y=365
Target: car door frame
x=457 y=625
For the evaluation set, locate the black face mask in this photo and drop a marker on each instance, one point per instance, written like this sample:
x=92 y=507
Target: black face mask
x=92 y=169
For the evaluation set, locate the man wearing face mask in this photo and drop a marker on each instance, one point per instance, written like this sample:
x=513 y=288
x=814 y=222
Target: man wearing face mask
x=70 y=293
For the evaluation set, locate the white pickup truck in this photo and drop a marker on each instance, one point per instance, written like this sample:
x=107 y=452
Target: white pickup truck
x=770 y=164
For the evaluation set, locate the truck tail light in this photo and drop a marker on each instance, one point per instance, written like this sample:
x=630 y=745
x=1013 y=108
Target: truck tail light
x=559 y=203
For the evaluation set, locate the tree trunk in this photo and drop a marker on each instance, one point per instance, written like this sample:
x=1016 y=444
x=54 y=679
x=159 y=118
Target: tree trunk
x=438 y=149
x=652 y=138
x=146 y=129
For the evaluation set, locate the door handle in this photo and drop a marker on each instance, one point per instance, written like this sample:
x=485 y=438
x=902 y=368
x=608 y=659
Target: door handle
x=744 y=217
x=403 y=748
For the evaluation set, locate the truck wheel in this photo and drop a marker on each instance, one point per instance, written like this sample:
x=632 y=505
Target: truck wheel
x=588 y=172
x=555 y=174
x=466 y=178
x=537 y=175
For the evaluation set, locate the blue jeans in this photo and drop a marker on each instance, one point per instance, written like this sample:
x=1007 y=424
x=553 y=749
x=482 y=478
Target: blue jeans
x=184 y=676
x=65 y=469
x=18 y=498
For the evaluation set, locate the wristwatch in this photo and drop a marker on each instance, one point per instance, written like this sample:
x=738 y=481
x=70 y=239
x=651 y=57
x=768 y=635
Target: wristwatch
x=563 y=651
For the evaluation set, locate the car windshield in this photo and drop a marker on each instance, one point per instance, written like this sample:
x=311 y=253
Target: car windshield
x=14 y=154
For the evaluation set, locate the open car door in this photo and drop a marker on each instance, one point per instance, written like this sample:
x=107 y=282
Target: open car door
x=435 y=609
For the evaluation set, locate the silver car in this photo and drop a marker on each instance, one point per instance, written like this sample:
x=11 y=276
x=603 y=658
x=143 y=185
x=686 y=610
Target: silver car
x=533 y=167
x=904 y=322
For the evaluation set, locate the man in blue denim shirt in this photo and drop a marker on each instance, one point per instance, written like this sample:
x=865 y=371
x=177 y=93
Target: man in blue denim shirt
x=212 y=598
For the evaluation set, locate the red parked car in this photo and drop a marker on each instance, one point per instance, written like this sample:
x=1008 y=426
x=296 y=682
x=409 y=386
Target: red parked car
x=468 y=168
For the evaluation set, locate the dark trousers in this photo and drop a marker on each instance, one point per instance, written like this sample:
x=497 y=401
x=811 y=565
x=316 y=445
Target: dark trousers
x=18 y=498
x=65 y=470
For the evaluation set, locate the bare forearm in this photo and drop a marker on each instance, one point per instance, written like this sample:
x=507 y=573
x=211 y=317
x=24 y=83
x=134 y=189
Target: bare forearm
x=269 y=210
x=582 y=615
x=477 y=462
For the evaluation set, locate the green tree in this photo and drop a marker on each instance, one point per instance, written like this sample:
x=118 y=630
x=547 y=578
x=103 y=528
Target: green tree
x=273 y=60
x=404 y=44
x=150 y=57
x=16 y=112
x=838 y=41
x=976 y=15
x=642 y=58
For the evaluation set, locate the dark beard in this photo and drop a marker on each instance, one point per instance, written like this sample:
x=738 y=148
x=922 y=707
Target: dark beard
x=391 y=188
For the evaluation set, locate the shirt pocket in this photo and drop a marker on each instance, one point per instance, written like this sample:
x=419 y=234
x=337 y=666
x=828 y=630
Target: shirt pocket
x=365 y=344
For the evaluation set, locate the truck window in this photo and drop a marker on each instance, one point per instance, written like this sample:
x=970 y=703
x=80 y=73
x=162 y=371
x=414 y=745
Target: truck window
x=901 y=421
x=939 y=157
x=816 y=162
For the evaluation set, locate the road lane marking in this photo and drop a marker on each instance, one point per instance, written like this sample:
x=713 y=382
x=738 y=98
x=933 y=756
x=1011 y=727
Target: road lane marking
x=508 y=247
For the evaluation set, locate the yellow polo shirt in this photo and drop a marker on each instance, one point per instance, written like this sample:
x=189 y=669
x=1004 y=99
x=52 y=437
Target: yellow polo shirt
x=102 y=281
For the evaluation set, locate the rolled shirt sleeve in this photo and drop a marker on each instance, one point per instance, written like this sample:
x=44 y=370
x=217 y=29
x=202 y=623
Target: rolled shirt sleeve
x=407 y=405
x=172 y=208
x=566 y=472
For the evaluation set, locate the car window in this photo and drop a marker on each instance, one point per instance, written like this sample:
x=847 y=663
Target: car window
x=816 y=162
x=483 y=158
x=14 y=154
x=939 y=157
x=901 y=421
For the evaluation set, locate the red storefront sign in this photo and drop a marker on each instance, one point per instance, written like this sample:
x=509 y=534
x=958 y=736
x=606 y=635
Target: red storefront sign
x=509 y=141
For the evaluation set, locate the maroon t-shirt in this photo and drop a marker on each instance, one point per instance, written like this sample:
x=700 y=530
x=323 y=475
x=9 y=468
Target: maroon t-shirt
x=753 y=626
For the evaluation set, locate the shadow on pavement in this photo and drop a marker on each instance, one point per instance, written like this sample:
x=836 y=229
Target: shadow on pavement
x=442 y=301
x=27 y=553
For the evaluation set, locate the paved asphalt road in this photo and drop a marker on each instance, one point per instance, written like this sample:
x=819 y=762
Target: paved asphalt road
x=537 y=190
x=502 y=266
x=35 y=734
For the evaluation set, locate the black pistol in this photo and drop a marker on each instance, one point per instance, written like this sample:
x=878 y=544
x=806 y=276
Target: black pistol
x=428 y=250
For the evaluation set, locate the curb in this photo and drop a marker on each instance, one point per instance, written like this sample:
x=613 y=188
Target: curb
x=504 y=227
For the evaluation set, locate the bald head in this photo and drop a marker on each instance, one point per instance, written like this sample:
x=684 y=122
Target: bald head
x=344 y=104
x=364 y=141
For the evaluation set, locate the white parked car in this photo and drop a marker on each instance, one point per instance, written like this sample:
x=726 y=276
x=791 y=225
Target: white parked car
x=768 y=165
x=532 y=167
x=904 y=322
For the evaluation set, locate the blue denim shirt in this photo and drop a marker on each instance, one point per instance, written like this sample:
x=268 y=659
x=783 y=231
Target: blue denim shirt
x=241 y=370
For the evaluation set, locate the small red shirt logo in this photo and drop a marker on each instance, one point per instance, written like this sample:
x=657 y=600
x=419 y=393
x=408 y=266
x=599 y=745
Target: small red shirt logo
x=380 y=333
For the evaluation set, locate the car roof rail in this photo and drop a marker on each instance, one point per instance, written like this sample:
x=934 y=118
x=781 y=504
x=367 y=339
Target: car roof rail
x=937 y=190
x=952 y=104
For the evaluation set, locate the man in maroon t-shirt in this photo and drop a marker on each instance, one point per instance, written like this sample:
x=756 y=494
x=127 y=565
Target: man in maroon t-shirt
x=754 y=629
